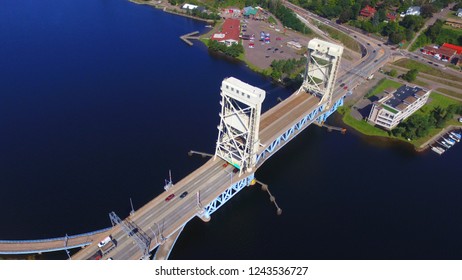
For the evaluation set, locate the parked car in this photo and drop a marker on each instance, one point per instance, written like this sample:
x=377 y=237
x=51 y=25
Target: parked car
x=170 y=197
x=278 y=39
x=345 y=87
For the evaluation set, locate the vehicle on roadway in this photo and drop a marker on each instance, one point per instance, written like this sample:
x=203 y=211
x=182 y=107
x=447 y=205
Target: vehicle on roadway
x=345 y=87
x=342 y=84
x=106 y=245
x=170 y=197
x=183 y=194
x=225 y=164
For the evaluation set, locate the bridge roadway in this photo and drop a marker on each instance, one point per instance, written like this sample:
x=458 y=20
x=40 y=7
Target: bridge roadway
x=159 y=218
x=12 y=247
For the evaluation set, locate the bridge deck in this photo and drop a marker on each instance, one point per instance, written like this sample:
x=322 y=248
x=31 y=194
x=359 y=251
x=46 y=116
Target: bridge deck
x=47 y=245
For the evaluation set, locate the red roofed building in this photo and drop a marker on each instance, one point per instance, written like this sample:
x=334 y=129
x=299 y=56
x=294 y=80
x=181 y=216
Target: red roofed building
x=442 y=53
x=368 y=11
x=458 y=49
x=229 y=32
x=391 y=16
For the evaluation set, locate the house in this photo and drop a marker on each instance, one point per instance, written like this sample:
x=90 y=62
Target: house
x=459 y=12
x=456 y=48
x=229 y=34
x=235 y=12
x=395 y=107
x=190 y=7
x=413 y=11
x=453 y=22
x=367 y=11
x=249 y=11
x=391 y=16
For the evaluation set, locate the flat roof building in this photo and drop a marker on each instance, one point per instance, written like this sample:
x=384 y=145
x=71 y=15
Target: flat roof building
x=395 y=107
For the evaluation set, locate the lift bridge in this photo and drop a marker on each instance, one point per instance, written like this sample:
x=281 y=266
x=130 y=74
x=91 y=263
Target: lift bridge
x=246 y=139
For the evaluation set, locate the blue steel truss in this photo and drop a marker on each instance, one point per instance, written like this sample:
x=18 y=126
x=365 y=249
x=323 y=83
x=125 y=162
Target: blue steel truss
x=316 y=115
x=228 y=194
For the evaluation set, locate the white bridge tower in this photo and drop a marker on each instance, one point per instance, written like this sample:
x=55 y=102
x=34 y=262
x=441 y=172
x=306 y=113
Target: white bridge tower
x=321 y=69
x=238 y=132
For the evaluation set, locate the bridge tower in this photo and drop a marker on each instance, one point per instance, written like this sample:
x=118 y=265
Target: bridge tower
x=238 y=131
x=321 y=69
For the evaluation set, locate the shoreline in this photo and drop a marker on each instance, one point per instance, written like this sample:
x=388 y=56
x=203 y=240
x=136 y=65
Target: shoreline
x=423 y=147
x=167 y=10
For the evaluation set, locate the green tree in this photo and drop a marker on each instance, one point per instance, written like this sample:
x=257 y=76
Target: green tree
x=411 y=75
x=412 y=22
x=345 y=15
x=427 y=10
x=393 y=73
x=396 y=37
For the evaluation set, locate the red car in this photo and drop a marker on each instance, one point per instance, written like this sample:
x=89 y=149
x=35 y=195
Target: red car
x=345 y=87
x=170 y=197
x=225 y=164
x=278 y=39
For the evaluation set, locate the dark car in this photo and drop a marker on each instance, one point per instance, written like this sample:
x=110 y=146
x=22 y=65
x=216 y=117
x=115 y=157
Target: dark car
x=379 y=45
x=183 y=194
x=342 y=85
x=170 y=197
x=235 y=170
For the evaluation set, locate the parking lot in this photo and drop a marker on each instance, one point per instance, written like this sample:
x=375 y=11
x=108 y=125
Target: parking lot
x=262 y=54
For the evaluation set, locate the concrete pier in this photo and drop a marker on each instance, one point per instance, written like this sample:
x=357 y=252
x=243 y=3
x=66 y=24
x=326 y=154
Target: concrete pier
x=190 y=36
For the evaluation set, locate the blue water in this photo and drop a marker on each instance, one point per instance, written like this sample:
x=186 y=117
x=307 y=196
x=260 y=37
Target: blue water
x=99 y=99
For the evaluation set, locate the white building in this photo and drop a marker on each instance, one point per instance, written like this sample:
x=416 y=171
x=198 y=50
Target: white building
x=389 y=111
x=459 y=12
x=190 y=7
x=413 y=11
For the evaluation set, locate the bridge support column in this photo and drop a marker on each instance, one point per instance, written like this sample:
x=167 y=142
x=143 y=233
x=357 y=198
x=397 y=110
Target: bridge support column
x=205 y=216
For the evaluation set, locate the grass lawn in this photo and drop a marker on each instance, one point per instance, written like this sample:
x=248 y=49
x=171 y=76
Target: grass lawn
x=449 y=92
x=438 y=100
x=342 y=37
x=411 y=64
x=381 y=86
x=367 y=129
x=420 y=83
x=361 y=126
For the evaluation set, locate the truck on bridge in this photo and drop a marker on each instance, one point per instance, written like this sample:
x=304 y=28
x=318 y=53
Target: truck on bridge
x=107 y=244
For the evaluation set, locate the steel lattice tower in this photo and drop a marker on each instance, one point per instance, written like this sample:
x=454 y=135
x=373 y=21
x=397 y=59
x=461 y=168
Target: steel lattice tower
x=238 y=131
x=321 y=69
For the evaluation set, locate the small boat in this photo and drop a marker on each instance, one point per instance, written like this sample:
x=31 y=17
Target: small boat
x=454 y=138
x=436 y=150
x=209 y=26
x=442 y=143
x=449 y=141
x=457 y=135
